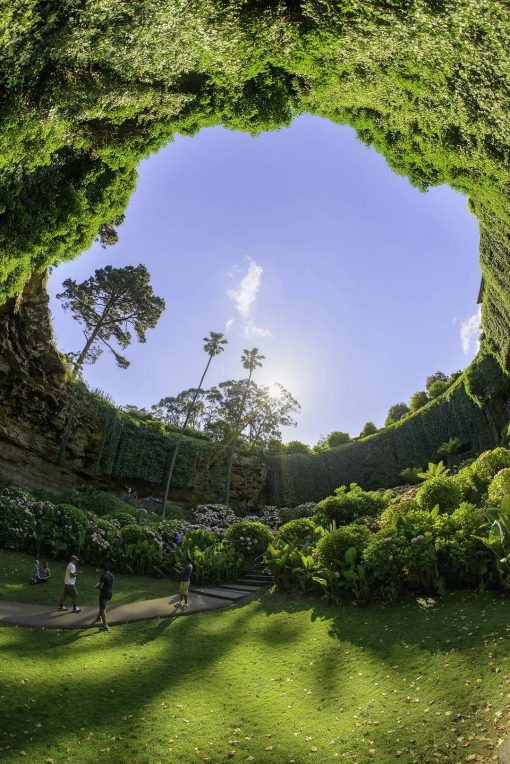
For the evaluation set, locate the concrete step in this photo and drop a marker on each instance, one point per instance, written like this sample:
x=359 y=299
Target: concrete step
x=256 y=576
x=240 y=585
x=217 y=592
x=253 y=582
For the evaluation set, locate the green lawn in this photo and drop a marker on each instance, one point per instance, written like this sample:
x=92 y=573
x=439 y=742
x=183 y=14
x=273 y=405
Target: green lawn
x=278 y=680
x=17 y=569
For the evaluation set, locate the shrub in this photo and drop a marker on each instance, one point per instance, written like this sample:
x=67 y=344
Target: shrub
x=100 y=503
x=142 y=549
x=123 y=517
x=302 y=510
x=471 y=486
x=499 y=487
x=249 y=538
x=271 y=516
x=332 y=547
x=463 y=560
x=489 y=463
x=299 y=532
x=369 y=428
x=441 y=491
x=394 y=510
x=63 y=530
x=404 y=556
x=346 y=505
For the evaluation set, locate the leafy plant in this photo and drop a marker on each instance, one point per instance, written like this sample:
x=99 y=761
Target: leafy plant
x=434 y=471
x=412 y=474
x=498 y=539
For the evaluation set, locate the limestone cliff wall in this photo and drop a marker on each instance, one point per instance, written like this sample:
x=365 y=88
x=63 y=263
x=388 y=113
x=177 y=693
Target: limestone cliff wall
x=38 y=405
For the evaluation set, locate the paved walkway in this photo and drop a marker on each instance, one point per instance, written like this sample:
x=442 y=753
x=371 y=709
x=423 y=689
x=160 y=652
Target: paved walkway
x=201 y=599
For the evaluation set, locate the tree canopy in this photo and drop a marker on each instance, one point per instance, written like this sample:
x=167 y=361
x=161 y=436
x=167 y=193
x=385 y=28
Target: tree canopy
x=108 y=305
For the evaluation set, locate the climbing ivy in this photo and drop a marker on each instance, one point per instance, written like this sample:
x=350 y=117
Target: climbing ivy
x=377 y=460
x=132 y=449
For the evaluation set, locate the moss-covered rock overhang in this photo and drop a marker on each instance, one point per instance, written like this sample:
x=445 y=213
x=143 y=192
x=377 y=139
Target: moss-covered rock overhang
x=89 y=88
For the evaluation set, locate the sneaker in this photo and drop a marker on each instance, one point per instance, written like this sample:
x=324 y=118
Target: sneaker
x=62 y=607
x=104 y=628
x=97 y=619
x=76 y=609
x=184 y=607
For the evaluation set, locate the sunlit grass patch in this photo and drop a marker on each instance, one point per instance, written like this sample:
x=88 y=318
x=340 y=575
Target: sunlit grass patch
x=17 y=569
x=275 y=680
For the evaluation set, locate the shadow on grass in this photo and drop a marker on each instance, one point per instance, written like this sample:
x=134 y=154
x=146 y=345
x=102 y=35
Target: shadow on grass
x=139 y=664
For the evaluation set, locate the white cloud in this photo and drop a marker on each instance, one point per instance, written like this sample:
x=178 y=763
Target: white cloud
x=250 y=329
x=243 y=296
x=470 y=332
x=229 y=325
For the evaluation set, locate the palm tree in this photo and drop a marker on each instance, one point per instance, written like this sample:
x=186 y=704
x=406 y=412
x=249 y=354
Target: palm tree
x=213 y=346
x=251 y=359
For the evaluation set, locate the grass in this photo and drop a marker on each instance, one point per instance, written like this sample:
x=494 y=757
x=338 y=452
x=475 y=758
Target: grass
x=16 y=570
x=278 y=680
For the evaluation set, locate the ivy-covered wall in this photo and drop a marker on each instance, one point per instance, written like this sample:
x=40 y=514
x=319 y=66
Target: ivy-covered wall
x=376 y=461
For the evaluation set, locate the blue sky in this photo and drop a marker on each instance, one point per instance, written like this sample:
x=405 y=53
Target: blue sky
x=353 y=284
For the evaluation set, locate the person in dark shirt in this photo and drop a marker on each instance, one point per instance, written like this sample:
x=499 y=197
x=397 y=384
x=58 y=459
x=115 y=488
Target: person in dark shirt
x=185 y=572
x=105 y=586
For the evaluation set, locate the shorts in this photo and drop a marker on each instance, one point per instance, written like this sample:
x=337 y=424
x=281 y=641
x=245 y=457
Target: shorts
x=184 y=587
x=39 y=580
x=70 y=590
x=103 y=602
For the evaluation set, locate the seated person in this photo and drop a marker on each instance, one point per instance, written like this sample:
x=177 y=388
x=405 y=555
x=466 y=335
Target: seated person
x=41 y=574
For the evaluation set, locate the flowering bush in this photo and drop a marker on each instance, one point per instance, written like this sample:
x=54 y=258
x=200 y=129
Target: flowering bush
x=213 y=517
x=21 y=516
x=249 y=539
x=300 y=532
x=102 y=541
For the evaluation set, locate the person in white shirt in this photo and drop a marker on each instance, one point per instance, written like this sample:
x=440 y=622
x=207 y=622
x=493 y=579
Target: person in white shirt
x=70 y=585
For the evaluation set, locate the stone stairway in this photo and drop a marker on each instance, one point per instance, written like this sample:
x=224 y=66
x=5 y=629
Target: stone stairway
x=250 y=582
